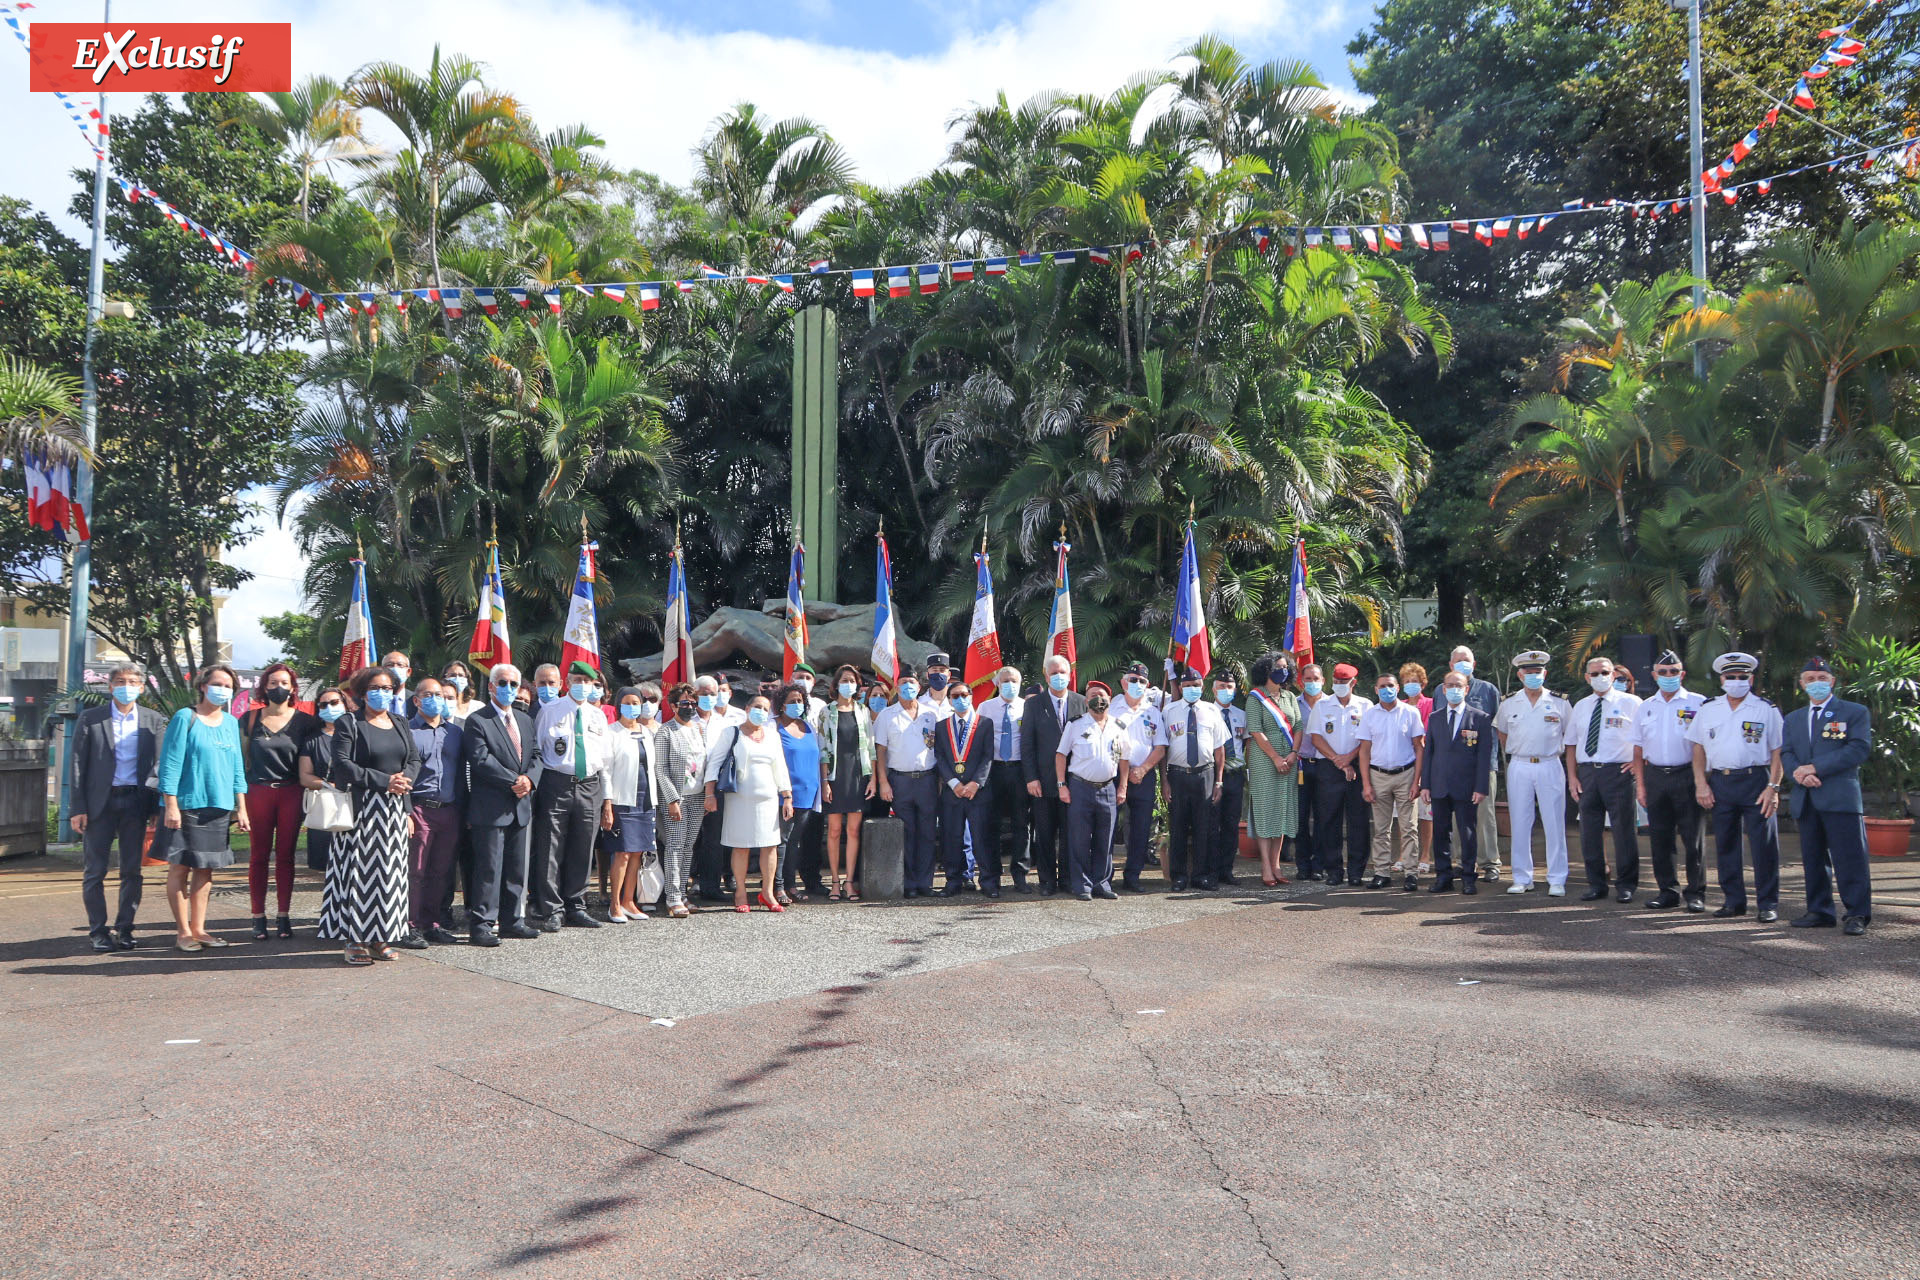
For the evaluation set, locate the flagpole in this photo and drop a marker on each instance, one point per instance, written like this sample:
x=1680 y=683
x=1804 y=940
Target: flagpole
x=1697 y=149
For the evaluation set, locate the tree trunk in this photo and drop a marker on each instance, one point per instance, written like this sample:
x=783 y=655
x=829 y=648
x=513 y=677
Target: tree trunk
x=1451 y=600
x=1126 y=352
x=1826 y=403
x=206 y=616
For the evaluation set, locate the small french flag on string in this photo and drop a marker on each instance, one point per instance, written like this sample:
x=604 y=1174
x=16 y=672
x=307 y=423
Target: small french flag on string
x=1526 y=227
x=1029 y=259
x=863 y=282
x=1065 y=257
x=899 y=283
x=618 y=292
x=553 y=300
x=1764 y=186
x=1502 y=227
x=1419 y=230
x=518 y=295
x=1343 y=239
x=929 y=277
x=1441 y=241
x=709 y=273
x=818 y=266
x=783 y=283
x=1802 y=95
x=759 y=279
x=685 y=286
x=1099 y=256
x=1847 y=47
x=1370 y=238
x=1816 y=72
x=370 y=301
x=995 y=266
x=1262 y=236
x=1313 y=237
x=649 y=297
x=450 y=299
x=400 y=300
x=486 y=300
x=961 y=270
x=1391 y=235
x=1773 y=114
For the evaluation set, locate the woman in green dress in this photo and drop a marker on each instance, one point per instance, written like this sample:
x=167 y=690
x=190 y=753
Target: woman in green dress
x=1273 y=773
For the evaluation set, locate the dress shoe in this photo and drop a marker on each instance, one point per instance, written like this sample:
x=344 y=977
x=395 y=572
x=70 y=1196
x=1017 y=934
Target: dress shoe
x=1854 y=927
x=1665 y=900
x=1491 y=875
x=1229 y=880
x=1625 y=894
x=1411 y=886
x=1021 y=886
x=1728 y=911
x=1768 y=915
x=1132 y=886
x=991 y=891
x=518 y=929
x=1812 y=921
x=1306 y=875
x=1153 y=859
x=953 y=891
x=1594 y=894
x=1106 y=891
x=1378 y=882
x=967 y=886
x=440 y=937
x=1084 y=897
x=578 y=919
x=123 y=940
x=1469 y=886
x=412 y=941
x=481 y=936
x=1556 y=891
x=548 y=924
x=1696 y=903
x=1206 y=885
x=1519 y=888
x=1179 y=885
x=102 y=943
x=1441 y=885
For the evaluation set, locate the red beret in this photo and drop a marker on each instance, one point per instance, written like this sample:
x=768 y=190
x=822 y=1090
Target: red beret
x=1095 y=684
x=1345 y=671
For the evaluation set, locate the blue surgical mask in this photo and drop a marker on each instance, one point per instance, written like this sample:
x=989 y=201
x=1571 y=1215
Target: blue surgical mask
x=1819 y=690
x=1136 y=687
x=877 y=703
x=330 y=714
x=1312 y=688
x=847 y=687
x=1387 y=694
x=758 y=715
x=962 y=703
x=1534 y=679
x=1619 y=685
x=648 y=710
x=629 y=711
x=400 y=674
x=1057 y=682
x=1412 y=688
x=937 y=680
x=578 y=690
x=546 y=693
x=1190 y=693
x=1009 y=690
x=1223 y=696
x=1668 y=684
x=125 y=694
x=458 y=682
x=595 y=693
x=706 y=702
x=909 y=691
x=797 y=710
x=379 y=699
x=219 y=694
x=1464 y=667
x=503 y=694
x=1455 y=696
x=433 y=705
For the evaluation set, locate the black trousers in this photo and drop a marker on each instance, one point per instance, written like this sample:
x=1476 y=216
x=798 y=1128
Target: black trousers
x=1012 y=819
x=566 y=821
x=800 y=851
x=1736 y=813
x=959 y=820
x=1306 y=845
x=1226 y=823
x=915 y=803
x=710 y=861
x=1606 y=791
x=1450 y=814
x=500 y=865
x=1141 y=798
x=1839 y=839
x=1190 y=821
x=1050 y=816
x=1338 y=808
x=123 y=821
x=1090 y=821
x=1672 y=811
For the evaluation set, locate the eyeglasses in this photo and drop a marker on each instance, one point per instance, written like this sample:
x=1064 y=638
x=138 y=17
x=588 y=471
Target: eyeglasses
x=506 y=684
x=333 y=703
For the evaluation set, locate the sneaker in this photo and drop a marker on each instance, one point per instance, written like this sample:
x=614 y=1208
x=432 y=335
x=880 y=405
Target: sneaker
x=1519 y=888
x=1556 y=891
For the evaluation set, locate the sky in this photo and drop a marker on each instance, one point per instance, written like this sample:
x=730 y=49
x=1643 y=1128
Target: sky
x=885 y=78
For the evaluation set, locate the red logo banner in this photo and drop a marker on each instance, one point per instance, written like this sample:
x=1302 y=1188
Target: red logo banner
x=162 y=57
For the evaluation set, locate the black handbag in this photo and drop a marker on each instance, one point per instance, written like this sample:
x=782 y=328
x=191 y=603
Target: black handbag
x=724 y=782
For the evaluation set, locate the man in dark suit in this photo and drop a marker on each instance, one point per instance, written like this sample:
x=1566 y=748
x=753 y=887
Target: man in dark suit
x=1048 y=713
x=963 y=765
x=113 y=798
x=1823 y=745
x=503 y=768
x=1453 y=779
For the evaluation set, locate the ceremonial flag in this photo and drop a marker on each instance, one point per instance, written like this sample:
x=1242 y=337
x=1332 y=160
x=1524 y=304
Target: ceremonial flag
x=929 y=277
x=793 y=648
x=961 y=270
x=863 y=283
x=1060 y=621
x=1525 y=228
x=676 y=661
x=356 y=646
x=649 y=297
x=818 y=266
x=1501 y=227
x=898 y=283
x=581 y=640
x=490 y=643
x=371 y=301
x=450 y=302
x=553 y=300
x=886 y=649
x=1483 y=232
x=1297 y=638
x=519 y=296
x=996 y=266
x=50 y=501
x=784 y=283
x=983 y=638
x=1190 y=647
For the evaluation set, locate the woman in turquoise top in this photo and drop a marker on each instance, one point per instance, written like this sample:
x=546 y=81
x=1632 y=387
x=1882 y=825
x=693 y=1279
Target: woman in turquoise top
x=804 y=768
x=203 y=781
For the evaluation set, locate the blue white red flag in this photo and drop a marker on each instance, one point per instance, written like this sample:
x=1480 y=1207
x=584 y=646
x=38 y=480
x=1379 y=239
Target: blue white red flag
x=676 y=661
x=580 y=642
x=1099 y=256
x=793 y=648
x=618 y=292
x=784 y=283
x=983 y=637
x=818 y=266
x=1030 y=259
x=996 y=266
x=490 y=642
x=1442 y=239
x=1060 y=621
x=356 y=647
x=649 y=297
x=711 y=273
x=1065 y=257
x=899 y=281
x=1297 y=637
x=486 y=300
x=885 y=657
x=962 y=270
x=929 y=277
x=519 y=296
x=553 y=300
x=1190 y=647
x=863 y=283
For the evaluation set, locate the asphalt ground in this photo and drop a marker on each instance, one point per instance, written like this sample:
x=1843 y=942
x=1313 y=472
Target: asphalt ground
x=1293 y=1083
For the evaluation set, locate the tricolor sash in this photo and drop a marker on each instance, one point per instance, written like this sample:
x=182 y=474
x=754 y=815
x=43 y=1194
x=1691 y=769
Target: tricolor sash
x=1279 y=718
x=962 y=749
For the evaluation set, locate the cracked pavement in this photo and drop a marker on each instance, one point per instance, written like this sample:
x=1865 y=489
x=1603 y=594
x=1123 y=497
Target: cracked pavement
x=1292 y=1085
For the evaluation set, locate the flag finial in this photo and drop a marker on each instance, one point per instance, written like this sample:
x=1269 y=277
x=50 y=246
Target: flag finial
x=983 y=537
x=583 y=526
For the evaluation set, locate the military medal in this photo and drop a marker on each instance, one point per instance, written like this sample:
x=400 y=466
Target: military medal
x=962 y=749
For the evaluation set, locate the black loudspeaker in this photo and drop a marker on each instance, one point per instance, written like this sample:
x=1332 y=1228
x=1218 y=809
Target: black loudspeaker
x=1636 y=655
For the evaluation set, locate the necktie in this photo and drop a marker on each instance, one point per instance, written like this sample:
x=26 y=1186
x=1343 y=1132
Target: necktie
x=1593 y=728
x=1453 y=723
x=1233 y=743
x=513 y=736
x=1006 y=733
x=579 y=745
x=1193 y=736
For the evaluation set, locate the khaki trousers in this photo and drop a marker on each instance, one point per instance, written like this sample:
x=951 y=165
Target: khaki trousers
x=1393 y=797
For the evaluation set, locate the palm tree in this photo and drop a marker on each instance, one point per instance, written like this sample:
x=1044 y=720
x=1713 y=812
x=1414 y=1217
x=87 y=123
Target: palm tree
x=316 y=123
x=761 y=178
x=37 y=410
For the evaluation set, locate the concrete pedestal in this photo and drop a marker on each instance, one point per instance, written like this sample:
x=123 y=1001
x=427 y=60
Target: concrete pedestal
x=883 y=858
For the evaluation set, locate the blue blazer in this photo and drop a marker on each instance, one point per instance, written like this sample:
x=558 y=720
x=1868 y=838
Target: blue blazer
x=1457 y=764
x=1836 y=745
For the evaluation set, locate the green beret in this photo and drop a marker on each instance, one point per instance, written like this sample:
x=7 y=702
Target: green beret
x=582 y=668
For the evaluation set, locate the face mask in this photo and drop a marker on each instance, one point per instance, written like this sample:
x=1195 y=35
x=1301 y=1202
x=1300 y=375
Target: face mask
x=1009 y=690
x=806 y=683
x=1668 y=684
x=400 y=673
x=1190 y=694
x=1412 y=688
x=684 y=711
x=1601 y=684
x=1819 y=690
x=1736 y=688
x=379 y=699
x=595 y=693
x=796 y=710
x=546 y=693
x=579 y=690
x=937 y=680
x=1096 y=704
x=219 y=695
x=847 y=687
x=1464 y=667
x=1534 y=679
x=1456 y=696
x=125 y=694
x=1386 y=695
x=278 y=695
x=330 y=714
x=1312 y=688
x=1135 y=688
x=433 y=705
x=706 y=702
x=1057 y=682
x=1282 y=674
x=1342 y=690
x=503 y=694
x=877 y=703
x=458 y=682
x=909 y=691
x=962 y=704
x=1223 y=696
x=1619 y=685
x=648 y=710
x=758 y=715
x=629 y=711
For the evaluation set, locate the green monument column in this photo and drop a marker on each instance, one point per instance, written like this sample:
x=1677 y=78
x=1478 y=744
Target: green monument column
x=816 y=447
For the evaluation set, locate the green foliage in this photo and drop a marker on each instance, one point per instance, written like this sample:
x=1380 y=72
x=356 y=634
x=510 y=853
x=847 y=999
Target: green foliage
x=1883 y=674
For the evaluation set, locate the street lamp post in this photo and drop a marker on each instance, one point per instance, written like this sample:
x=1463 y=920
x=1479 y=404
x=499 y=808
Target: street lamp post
x=1697 y=148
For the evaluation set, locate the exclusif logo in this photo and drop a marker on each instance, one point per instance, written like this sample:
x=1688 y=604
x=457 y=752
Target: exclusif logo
x=162 y=57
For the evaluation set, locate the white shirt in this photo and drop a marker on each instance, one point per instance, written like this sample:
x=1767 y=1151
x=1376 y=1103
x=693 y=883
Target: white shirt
x=728 y=714
x=1660 y=728
x=1145 y=725
x=908 y=737
x=1391 y=730
x=126 y=746
x=1094 y=749
x=1536 y=728
x=937 y=702
x=996 y=709
x=1236 y=721
x=1617 y=711
x=554 y=731
x=1339 y=725
x=1737 y=737
x=1209 y=724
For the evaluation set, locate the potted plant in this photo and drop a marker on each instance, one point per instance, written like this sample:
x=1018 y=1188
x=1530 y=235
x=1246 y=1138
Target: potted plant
x=1883 y=675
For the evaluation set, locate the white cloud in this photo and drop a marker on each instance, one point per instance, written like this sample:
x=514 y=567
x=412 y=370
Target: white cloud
x=273 y=558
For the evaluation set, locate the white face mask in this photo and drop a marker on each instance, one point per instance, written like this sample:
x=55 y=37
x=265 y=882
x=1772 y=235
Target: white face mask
x=1736 y=688
x=1342 y=690
x=1601 y=684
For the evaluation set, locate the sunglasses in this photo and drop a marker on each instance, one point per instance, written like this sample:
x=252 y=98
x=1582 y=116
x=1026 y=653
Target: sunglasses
x=333 y=702
x=506 y=684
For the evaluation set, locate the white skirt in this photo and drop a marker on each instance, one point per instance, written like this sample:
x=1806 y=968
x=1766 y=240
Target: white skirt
x=749 y=822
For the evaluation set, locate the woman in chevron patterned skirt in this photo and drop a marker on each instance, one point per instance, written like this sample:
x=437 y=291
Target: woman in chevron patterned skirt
x=364 y=904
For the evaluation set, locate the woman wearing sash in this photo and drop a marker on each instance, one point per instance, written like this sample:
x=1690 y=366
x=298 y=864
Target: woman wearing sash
x=1273 y=774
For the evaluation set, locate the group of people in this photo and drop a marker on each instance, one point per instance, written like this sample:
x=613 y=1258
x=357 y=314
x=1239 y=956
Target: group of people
x=411 y=787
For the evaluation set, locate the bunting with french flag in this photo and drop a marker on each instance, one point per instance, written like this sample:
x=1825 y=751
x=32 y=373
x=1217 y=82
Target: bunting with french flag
x=356 y=645
x=490 y=643
x=886 y=644
x=1297 y=637
x=1060 y=622
x=581 y=640
x=1190 y=647
x=676 y=660
x=793 y=646
x=983 y=637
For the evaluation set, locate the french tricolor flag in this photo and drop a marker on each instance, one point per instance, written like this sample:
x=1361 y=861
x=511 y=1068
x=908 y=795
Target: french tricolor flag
x=1313 y=237
x=863 y=282
x=1764 y=186
x=1029 y=259
x=929 y=277
x=1802 y=95
x=759 y=279
x=818 y=266
x=1746 y=145
x=649 y=297
x=370 y=302
x=1419 y=230
x=450 y=300
x=518 y=295
x=995 y=266
x=1731 y=195
x=618 y=292
x=1392 y=236
x=1262 y=237
x=1773 y=114
x=961 y=270
x=1526 y=227
x=1441 y=239
x=685 y=286
x=1847 y=47
x=1343 y=240
x=1370 y=238
x=486 y=300
x=1065 y=257
x=1099 y=256
x=899 y=281
x=1502 y=227
x=1190 y=647
x=784 y=283
x=400 y=300
x=709 y=273
x=553 y=300
x=1817 y=71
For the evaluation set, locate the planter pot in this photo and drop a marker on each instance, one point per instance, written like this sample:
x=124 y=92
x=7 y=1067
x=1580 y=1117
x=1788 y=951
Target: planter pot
x=1503 y=818
x=1249 y=847
x=1889 y=837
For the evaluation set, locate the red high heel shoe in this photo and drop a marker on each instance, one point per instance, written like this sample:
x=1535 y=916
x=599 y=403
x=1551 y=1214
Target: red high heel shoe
x=769 y=903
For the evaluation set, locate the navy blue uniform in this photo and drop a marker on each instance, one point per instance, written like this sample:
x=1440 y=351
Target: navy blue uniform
x=1835 y=738
x=960 y=761
x=1456 y=767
